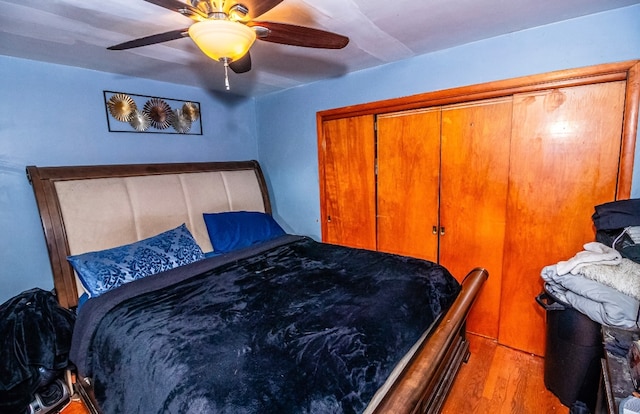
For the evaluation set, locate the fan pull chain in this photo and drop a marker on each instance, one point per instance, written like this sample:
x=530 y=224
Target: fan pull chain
x=226 y=74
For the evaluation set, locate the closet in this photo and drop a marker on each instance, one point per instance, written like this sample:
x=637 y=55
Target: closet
x=503 y=175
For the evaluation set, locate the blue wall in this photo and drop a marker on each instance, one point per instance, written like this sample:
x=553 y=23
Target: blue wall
x=55 y=115
x=287 y=123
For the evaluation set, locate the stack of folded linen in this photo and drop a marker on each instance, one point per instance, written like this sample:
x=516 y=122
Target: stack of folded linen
x=598 y=282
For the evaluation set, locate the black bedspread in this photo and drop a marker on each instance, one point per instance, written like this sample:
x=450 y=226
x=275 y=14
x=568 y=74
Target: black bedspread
x=290 y=326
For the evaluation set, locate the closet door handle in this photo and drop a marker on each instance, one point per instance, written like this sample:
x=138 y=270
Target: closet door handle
x=434 y=230
x=442 y=231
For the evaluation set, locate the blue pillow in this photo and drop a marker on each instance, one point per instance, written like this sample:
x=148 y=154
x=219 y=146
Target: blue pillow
x=82 y=300
x=104 y=270
x=238 y=229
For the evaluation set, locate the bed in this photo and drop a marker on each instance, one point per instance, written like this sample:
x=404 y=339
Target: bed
x=273 y=323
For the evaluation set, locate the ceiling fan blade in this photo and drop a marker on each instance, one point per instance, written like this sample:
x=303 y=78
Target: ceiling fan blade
x=241 y=65
x=151 y=40
x=289 y=34
x=179 y=6
x=259 y=7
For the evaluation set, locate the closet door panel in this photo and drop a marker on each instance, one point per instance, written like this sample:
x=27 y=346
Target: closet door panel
x=408 y=148
x=565 y=154
x=347 y=182
x=475 y=171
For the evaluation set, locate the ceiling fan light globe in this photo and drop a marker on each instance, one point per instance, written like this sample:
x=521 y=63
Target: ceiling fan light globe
x=222 y=39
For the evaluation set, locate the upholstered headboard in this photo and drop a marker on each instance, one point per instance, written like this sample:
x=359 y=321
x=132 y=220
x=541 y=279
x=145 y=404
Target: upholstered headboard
x=89 y=208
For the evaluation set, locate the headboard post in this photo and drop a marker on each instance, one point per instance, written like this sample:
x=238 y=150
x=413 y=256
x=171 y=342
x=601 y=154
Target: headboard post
x=44 y=179
x=52 y=225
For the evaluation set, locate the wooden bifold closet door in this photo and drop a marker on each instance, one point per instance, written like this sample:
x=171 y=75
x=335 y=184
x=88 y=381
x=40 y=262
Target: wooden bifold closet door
x=475 y=172
x=348 y=185
x=565 y=153
x=408 y=161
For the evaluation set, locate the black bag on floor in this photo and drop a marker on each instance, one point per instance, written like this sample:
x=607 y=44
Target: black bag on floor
x=35 y=337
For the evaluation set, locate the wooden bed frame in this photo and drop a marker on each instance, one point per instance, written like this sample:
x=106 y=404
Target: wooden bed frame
x=142 y=193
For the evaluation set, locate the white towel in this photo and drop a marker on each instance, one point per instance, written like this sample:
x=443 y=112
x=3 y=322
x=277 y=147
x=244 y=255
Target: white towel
x=594 y=253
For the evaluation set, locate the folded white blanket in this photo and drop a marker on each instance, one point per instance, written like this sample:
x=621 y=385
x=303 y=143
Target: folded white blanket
x=624 y=277
x=594 y=253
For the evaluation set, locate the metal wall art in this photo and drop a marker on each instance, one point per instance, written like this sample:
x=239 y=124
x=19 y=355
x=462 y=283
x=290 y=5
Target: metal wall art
x=127 y=112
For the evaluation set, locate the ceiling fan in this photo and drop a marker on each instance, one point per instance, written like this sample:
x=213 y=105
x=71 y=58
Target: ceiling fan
x=225 y=31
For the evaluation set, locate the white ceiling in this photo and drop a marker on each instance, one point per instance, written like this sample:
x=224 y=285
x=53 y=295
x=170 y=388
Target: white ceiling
x=77 y=33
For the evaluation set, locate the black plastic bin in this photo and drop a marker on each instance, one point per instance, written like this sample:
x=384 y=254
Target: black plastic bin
x=573 y=351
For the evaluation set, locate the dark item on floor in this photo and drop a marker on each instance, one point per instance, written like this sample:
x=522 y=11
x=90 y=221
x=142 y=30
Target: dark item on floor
x=35 y=338
x=574 y=348
x=579 y=407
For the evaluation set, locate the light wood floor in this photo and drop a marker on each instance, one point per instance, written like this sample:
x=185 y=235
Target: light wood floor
x=498 y=379
x=75 y=406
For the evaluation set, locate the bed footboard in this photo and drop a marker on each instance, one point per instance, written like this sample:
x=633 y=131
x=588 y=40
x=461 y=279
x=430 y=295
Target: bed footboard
x=84 y=389
x=424 y=384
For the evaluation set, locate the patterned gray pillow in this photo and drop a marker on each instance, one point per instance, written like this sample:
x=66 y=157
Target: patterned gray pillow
x=104 y=270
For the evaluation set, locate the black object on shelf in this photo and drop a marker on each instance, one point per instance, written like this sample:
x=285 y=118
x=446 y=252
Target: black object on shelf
x=574 y=348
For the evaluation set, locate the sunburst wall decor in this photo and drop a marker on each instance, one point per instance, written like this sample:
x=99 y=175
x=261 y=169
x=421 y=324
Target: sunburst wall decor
x=128 y=112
